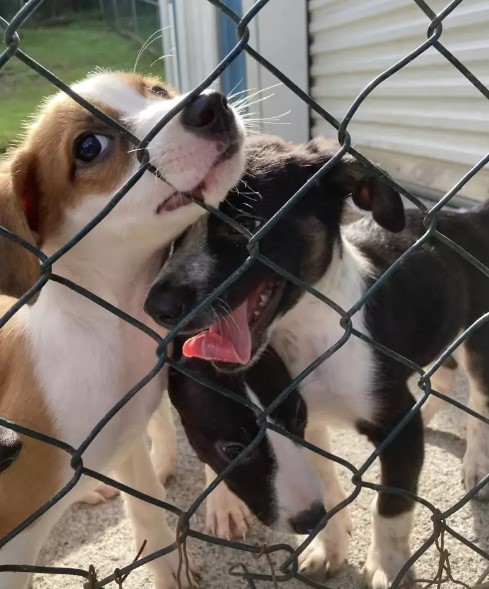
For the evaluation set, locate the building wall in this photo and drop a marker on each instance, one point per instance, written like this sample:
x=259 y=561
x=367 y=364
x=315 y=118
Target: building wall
x=192 y=41
x=427 y=125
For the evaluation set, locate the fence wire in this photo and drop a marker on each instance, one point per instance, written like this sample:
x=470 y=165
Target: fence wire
x=289 y=568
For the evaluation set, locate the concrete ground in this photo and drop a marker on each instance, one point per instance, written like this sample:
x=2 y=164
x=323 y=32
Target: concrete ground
x=102 y=535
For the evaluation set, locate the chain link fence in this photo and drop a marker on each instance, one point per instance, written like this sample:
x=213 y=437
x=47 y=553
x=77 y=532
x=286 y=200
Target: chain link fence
x=138 y=19
x=289 y=569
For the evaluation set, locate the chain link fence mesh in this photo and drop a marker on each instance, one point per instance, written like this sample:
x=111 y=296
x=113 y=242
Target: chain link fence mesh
x=138 y=19
x=289 y=568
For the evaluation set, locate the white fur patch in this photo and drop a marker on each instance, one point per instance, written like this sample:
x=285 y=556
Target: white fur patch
x=327 y=552
x=226 y=515
x=389 y=549
x=296 y=485
x=333 y=390
x=114 y=91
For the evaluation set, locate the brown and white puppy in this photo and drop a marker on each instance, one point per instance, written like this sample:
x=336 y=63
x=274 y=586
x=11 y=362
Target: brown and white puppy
x=64 y=360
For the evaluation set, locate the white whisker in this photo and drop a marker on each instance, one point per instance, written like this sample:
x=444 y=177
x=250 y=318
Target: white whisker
x=228 y=313
x=153 y=37
x=256 y=101
x=162 y=57
x=229 y=94
x=253 y=94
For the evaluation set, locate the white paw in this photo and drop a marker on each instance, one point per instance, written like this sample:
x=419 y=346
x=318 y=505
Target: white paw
x=476 y=459
x=383 y=566
x=164 y=465
x=326 y=554
x=100 y=494
x=430 y=409
x=226 y=515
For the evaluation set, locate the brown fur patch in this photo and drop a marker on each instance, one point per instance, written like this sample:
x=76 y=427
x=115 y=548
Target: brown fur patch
x=46 y=176
x=19 y=269
x=35 y=475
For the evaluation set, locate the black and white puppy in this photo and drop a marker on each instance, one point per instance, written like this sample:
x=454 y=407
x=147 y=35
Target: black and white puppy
x=220 y=429
x=417 y=313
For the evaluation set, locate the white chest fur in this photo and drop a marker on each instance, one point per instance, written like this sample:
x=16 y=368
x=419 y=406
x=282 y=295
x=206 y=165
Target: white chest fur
x=86 y=360
x=340 y=387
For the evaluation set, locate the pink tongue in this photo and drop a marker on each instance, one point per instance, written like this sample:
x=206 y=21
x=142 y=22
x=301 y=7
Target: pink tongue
x=228 y=340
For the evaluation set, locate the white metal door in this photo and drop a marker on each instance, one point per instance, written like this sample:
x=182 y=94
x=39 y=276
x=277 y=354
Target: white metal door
x=427 y=125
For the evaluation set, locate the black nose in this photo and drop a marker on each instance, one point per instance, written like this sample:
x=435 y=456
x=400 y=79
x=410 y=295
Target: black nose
x=10 y=445
x=305 y=521
x=164 y=305
x=208 y=114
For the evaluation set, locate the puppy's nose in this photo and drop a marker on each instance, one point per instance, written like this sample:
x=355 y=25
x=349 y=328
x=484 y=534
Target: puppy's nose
x=208 y=114
x=10 y=446
x=164 y=306
x=305 y=521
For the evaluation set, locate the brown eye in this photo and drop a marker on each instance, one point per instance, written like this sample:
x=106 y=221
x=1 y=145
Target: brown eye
x=252 y=224
x=159 y=91
x=230 y=450
x=90 y=147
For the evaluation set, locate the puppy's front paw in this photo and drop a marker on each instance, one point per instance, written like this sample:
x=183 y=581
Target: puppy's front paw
x=326 y=554
x=100 y=494
x=383 y=566
x=164 y=464
x=476 y=459
x=226 y=515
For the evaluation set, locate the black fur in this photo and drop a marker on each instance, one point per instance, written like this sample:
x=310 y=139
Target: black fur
x=212 y=420
x=417 y=312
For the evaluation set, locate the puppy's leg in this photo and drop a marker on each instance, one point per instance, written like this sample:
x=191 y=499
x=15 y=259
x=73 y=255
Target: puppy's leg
x=443 y=381
x=163 y=436
x=476 y=460
x=149 y=521
x=226 y=515
x=327 y=552
x=393 y=515
x=162 y=432
x=99 y=494
x=24 y=548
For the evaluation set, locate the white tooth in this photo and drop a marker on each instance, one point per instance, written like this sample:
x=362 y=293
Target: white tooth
x=256 y=314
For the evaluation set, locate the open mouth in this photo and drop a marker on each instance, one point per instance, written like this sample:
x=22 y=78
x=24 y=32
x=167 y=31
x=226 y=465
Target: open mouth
x=234 y=337
x=177 y=200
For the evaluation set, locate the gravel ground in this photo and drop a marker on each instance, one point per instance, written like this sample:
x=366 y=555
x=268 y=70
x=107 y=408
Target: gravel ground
x=102 y=535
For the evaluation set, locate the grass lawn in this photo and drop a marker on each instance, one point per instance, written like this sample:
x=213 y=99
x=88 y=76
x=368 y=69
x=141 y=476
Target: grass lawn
x=70 y=52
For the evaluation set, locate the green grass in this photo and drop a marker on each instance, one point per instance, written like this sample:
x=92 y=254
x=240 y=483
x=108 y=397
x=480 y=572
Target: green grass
x=70 y=52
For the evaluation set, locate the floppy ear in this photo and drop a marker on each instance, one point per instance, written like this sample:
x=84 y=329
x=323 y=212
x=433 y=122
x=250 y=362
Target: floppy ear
x=372 y=194
x=19 y=269
x=26 y=187
x=369 y=192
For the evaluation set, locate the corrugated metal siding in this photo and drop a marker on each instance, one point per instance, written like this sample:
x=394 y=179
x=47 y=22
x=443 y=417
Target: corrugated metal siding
x=427 y=124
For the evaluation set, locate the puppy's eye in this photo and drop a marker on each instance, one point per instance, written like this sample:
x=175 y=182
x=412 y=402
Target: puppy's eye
x=252 y=224
x=159 y=91
x=230 y=450
x=90 y=147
